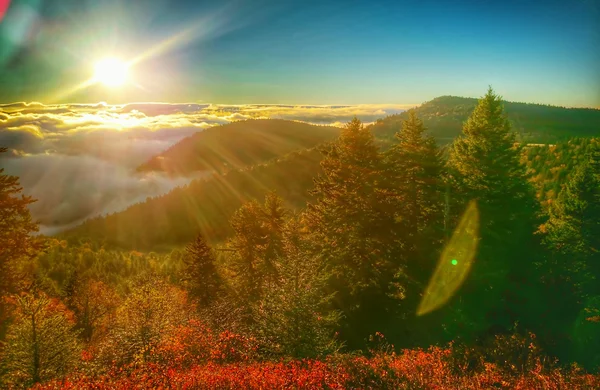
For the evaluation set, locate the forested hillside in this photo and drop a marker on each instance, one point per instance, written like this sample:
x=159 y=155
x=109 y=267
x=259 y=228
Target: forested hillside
x=550 y=165
x=238 y=145
x=245 y=143
x=205 y=205
x=343 y=266
x=254 y=156
x=534 y=123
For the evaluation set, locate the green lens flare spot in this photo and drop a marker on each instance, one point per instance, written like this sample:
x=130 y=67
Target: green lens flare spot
x=454 y=262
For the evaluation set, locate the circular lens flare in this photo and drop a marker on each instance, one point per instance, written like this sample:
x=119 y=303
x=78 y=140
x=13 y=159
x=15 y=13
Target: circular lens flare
x=110 y=72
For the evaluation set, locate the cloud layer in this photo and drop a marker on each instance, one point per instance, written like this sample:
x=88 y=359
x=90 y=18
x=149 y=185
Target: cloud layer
x=78 y=160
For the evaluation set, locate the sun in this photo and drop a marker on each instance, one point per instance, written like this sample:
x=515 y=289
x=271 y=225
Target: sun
x=111 y=72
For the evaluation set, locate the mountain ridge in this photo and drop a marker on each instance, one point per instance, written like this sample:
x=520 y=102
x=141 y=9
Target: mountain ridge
x=237 y=145
x=146 y=225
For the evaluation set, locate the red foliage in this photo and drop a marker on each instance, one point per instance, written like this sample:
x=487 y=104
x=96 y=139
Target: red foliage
x=194 y=343
x=412 y=369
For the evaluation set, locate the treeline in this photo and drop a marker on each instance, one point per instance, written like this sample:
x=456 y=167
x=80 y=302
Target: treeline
x=513 y=287
x=534 y=123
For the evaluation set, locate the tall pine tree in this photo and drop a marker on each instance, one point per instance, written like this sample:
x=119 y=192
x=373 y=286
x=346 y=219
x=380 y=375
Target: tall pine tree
x=200 y=272
x=573 y=231
x=414 y=183
x=484 y=165
x=571 y=270
x=293 y=317
x=350 y=222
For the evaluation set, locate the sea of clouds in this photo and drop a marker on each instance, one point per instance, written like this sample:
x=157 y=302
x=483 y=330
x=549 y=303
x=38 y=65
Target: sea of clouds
x=79 y=160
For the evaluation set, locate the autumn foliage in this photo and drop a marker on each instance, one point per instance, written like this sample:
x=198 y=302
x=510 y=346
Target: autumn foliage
x=411 y=369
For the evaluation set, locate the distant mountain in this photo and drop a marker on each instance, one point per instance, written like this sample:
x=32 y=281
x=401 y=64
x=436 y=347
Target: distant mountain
x=237 y=145
x=206 y=205
x=535 y=123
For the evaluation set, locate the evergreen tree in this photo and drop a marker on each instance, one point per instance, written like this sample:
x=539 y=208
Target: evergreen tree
x=571 y=270
x=414 y=169
x=200 y=272
x=247 y=245
x=351 y=221
x=415 y=188
x=294 y=316
x=274 y=215
x=257 y=243
x=573 y=231
x=484 y=165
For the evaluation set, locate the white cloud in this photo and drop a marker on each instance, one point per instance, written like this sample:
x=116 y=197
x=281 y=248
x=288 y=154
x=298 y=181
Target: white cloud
x=78 y=160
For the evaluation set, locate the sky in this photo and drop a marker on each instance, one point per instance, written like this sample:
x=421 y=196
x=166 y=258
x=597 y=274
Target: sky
x=193 y=64
x=302 y=52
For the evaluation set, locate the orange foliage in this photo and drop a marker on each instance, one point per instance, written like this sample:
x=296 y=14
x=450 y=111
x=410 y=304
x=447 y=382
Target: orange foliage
x=430 y=369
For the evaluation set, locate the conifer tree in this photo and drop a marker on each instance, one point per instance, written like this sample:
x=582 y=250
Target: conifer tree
x=350 y=222
x=484 y=165
x=414 y=186
x=247 y=247
x=294 y=316
x=573 y=231
x=414 y=178
x=273 y=218
x=257 y=243
x=200 y=272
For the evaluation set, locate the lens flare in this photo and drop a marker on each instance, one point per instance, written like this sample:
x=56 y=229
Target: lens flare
x=449 y=275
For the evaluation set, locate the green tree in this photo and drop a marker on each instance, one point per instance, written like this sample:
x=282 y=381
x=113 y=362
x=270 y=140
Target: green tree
x=571 y=270
x=257 y=242
x=484 y=165
x=273 y=219
x=350 y=222
x=41 y=343
x=294 y=317
x=413 y=172
x=247 y=246
x=200 y=272
x=573 y=230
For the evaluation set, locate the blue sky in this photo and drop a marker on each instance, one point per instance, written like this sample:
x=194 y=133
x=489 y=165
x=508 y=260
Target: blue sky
x=305 y=52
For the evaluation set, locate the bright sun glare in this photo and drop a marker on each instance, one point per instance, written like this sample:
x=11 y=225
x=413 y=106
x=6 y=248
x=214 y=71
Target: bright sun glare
x=110 y=72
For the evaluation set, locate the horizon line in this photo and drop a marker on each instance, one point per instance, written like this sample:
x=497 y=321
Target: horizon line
x=404 y=105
